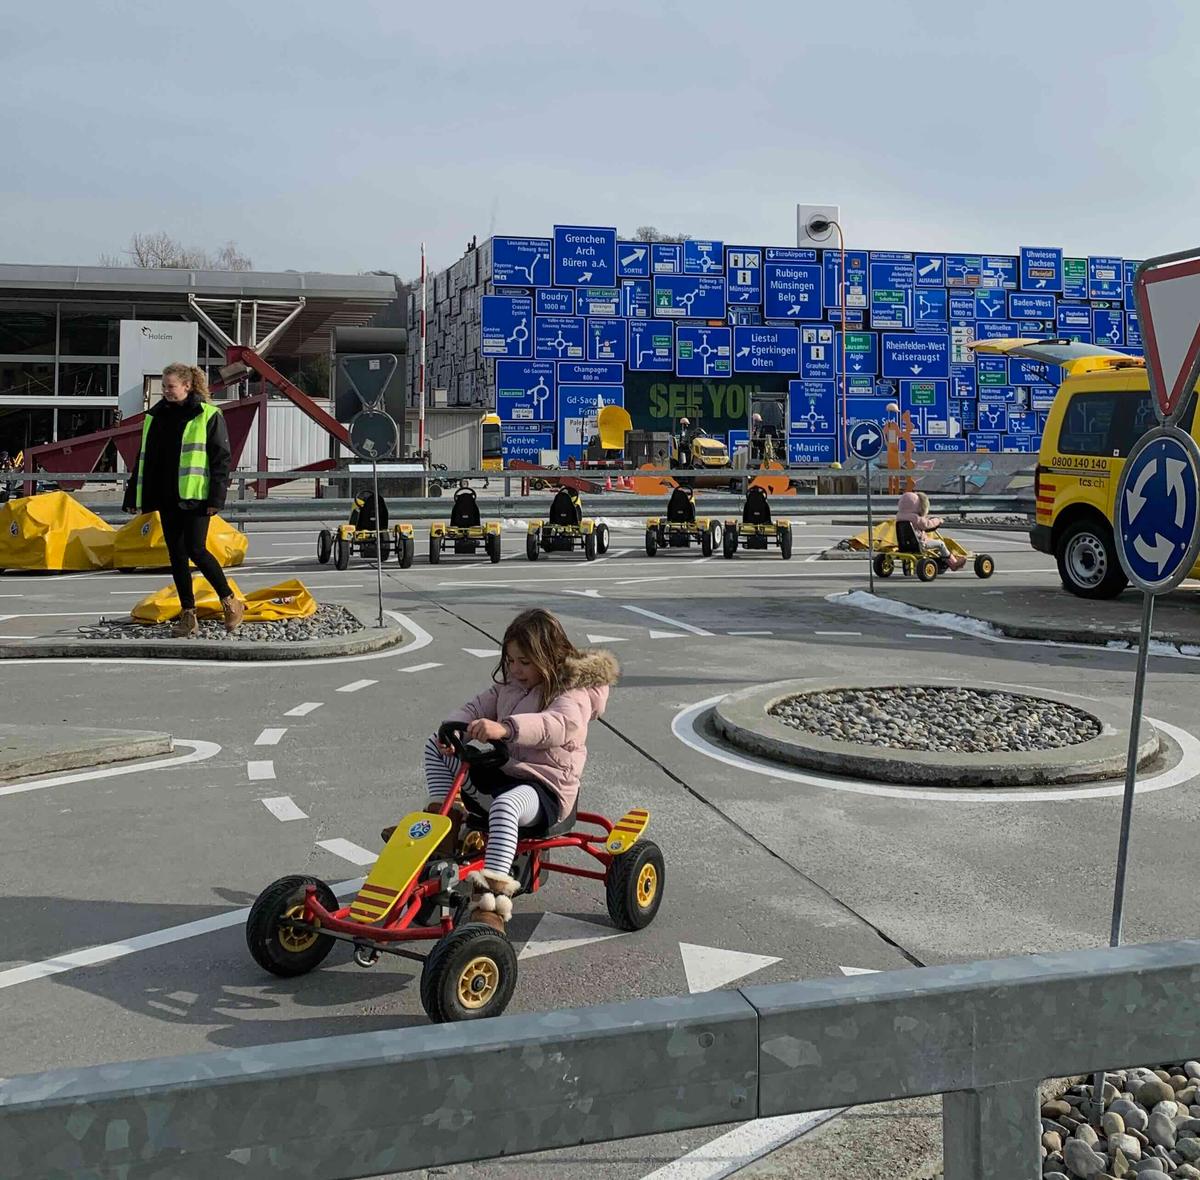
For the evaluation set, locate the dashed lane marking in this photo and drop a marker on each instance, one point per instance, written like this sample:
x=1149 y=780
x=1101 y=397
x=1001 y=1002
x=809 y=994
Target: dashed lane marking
x=483 y=653
x=752 y=632
x=838 y=634
x=641 y=610
x=260 y=771
x=282 y=808
x=270 y=737
x=95 y=955
x=304 y=709
x=356 y=685
x=200 y=751
x=418 y=668
x=347 y=850
x=925 y=635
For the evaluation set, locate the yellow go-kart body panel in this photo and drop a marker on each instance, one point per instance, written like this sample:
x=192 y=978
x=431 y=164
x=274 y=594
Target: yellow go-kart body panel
x=477 y=532
x=403 y=857
x=627 y=830
x=884 y=540
x=401 y=530
x=563 y=530
x=766 y=530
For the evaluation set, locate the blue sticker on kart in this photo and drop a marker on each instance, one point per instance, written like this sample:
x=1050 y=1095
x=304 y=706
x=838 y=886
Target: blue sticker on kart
x=420 y=829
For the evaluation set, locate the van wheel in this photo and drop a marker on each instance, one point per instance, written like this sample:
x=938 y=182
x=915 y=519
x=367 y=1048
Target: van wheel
x=1087 y=560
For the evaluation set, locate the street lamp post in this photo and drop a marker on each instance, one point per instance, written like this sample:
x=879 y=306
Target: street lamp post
x=818 y=225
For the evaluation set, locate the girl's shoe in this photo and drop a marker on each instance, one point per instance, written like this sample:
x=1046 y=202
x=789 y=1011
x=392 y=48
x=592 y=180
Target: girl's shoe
x=491 y=897
x=234 y=611
x=186 y=626
x=503 y=888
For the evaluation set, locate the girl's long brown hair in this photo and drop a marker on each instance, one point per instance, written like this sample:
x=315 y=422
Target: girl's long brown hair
x=541 y=637
x=192 y=374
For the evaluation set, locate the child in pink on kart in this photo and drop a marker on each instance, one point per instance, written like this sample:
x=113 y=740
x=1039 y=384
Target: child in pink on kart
x=914 y=508
x=546 y=691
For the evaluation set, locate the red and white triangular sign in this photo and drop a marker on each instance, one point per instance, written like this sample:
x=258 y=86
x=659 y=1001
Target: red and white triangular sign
x=1168 y=302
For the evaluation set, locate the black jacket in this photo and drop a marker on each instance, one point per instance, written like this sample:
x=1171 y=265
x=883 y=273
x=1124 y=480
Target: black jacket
x=162 y=460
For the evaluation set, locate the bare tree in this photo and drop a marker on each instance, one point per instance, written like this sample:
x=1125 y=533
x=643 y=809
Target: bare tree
x=160 y=251
x=651 y=233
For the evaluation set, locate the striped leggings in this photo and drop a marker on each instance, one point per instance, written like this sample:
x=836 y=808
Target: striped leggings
x=517 y=807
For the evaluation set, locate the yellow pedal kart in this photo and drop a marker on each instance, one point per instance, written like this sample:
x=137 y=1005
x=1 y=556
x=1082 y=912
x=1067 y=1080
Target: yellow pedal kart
x=465 y=533
x=417 y=891
x=757 y=530
x=361 y=533
x=896 y=544
x=681 y=527
x=566 y=529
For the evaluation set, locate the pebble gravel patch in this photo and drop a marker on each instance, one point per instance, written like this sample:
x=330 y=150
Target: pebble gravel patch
x=947 y=720
x=329 y=622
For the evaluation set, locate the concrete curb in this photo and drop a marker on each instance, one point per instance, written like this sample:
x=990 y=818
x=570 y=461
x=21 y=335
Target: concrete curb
x=742 y=718
x=370 y=639
x=24 y=754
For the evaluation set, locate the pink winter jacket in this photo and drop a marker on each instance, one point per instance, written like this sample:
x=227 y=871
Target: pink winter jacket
x=549 y=745
x=909 y=509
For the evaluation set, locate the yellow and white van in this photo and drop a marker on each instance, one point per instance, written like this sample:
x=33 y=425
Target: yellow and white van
x=1102 y=408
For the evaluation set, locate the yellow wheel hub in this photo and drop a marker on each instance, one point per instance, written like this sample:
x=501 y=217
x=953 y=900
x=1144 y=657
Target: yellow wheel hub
x=478 y=981
x=647 y=885
x=296 y=941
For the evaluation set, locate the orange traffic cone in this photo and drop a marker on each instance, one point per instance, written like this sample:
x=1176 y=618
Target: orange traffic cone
x=608 y=483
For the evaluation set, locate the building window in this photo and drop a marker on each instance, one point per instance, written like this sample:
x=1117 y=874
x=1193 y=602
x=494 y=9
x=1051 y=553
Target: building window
x=92 y=329
x=86 y=379
x=27 y=329
x=29 y=379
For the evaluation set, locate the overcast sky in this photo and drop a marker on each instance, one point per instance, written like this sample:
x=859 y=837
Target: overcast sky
x=335 y=136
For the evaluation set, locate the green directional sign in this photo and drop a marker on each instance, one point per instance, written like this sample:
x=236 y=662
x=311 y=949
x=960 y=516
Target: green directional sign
x=922 y=393
x=858 y=341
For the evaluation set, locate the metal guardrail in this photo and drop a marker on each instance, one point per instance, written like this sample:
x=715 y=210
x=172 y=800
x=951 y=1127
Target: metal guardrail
x=606 y=504
x=983 y=1034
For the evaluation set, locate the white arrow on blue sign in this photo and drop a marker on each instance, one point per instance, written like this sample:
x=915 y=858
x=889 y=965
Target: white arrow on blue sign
x=1158 y=506
x=865 y=440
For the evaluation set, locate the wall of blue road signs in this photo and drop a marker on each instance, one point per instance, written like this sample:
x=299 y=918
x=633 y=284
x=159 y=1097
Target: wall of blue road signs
x=582 y=319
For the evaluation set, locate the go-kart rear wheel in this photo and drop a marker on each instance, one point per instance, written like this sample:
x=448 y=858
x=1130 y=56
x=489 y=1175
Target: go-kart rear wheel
x=470 y=974
x=706 y=543
x=341 y=553
x=984 y=565
x=531 y=546
x=884 y=564
x=589 y=546
x=385 y=546
x=633 y=886
x=406 y=550
x=324 y=546
x=492 y=544
x=651 y=542
x=601 y=538
x=435 y=550
x=729 y=542
x=279 y=949
x=785 y=543
x=927 y=569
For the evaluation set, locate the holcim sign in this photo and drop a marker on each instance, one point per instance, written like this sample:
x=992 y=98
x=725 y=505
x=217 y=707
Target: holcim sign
x=147 y=346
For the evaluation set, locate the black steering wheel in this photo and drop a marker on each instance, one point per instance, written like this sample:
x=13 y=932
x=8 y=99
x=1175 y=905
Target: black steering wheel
x=484 y=755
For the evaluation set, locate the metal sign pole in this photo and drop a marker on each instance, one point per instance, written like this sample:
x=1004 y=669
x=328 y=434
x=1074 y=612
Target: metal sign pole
x=378 y=538
x=870 y=533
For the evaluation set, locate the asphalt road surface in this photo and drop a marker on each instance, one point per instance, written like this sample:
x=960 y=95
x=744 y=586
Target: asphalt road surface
x=771 y=875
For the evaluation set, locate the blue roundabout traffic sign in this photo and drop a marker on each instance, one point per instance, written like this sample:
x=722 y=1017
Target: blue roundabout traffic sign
x=1158 y=508
x=865 y=440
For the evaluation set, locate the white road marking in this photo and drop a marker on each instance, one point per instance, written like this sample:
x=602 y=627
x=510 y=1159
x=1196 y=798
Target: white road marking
x=838 y=633
x=641 y=610
x=607 y=638
x=483 y=653
x=859 y=970
x=710 y=967
x=750 y=632
x=304 y=709
x=282 y=808
x=925 y=635
x=270 y=737
x=200 y=751
x=418 y=667
x=557 y=932
x=95 y=955
x=356 y=685
x=683 y=726
x=667 y=635
x=347 y=850
x=260 y=771
x=729 y=1153
x=583 y=593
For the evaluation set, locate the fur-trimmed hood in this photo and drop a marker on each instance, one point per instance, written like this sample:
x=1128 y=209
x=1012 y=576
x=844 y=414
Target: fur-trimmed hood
x=594 y=667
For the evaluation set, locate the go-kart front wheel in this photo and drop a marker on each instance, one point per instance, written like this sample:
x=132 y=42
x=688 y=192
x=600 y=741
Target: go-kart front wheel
x=785 y=543
x=984 y=565
x=729 y=542
x=341 y=553
x=927 y=569
x=470 y=974
x=406 y=548
x=651 y=542
x=602 y=538
x=531 y=546
x=435 y=550
x=324 y=546
x=589 y=546
x=633 y=886
x=280 y=949
x=885 y=564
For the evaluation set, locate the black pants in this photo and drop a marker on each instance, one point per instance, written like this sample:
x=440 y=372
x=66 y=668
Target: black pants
x=186 y=535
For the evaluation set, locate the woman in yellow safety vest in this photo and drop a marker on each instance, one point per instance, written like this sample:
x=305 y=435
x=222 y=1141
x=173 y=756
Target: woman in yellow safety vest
x=182 y=473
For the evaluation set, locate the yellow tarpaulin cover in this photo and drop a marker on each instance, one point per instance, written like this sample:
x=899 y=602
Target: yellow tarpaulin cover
x=139 y=544
x=53 y=531
x=287 y=600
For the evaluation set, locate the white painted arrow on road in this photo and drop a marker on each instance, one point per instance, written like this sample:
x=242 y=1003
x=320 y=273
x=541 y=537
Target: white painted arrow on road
x=557 y=932
x=1159 y=553
x=710 y=967
x=1134 y=500
x=607 y=638
x=858 y=970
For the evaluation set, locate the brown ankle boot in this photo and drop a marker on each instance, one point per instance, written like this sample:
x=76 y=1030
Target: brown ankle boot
x=234 y=611
x=186 y=626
